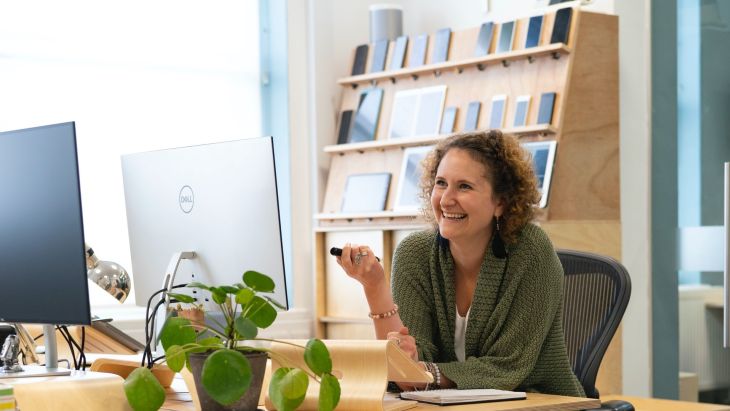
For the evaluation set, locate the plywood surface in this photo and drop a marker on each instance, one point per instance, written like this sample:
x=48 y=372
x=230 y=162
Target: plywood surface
x=658 y=404
x=82 y=391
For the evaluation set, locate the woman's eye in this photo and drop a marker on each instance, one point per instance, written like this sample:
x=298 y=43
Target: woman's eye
x=464 y=186
x=441 y=183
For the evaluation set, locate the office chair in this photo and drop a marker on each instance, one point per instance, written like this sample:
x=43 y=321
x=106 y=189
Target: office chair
x=596 y=293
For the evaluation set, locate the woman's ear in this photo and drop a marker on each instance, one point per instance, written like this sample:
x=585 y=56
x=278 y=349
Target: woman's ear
x=499 y=209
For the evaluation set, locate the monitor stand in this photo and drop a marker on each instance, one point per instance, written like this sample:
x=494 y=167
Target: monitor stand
x=51 y=354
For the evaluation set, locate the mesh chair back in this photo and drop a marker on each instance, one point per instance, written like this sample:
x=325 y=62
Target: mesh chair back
x=596 y=293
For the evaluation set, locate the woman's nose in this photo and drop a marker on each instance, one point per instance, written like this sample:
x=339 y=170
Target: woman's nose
x=447 y=197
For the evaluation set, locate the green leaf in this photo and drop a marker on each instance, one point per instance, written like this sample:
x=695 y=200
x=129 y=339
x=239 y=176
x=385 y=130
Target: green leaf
x=261 y=312
x=210 y=343
x=177 y=331
x=183 y=298
x=244 y=296
x=226 y=376
x=196 y=284
x=219 y=296
x=175 y=357
x=143 y=391
x=317 y=357
x=276 y=303
x=329 y=392
x=294 y=384
x=277 y=387
x=228 y=289
x=246 y=328
x=258 y=281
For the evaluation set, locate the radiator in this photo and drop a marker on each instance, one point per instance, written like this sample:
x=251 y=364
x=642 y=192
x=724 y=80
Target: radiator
x=700 y=336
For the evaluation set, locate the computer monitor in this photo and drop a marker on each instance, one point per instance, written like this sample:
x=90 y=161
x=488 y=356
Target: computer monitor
x=216 y=200
x=42 y=261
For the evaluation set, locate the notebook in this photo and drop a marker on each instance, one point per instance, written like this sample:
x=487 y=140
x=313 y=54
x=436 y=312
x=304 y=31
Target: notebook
x=446 y=397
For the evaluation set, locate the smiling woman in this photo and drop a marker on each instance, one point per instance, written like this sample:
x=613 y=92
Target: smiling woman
x=477 y=299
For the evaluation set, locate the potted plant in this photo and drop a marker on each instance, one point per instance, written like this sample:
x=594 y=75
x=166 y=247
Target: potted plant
x=228 y=372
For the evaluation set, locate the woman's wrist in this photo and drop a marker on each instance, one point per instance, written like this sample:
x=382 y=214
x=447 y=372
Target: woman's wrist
x=379 y=297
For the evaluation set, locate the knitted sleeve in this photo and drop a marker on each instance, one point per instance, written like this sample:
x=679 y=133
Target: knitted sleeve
x=536 y=294
x=409 y=283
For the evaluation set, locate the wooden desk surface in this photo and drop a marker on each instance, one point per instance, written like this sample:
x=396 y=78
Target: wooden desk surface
x=178 y=399
x=81 y=391
x=658 y=404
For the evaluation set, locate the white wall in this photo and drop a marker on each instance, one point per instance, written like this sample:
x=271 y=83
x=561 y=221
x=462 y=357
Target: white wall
x=635 y=132
x=336 y=27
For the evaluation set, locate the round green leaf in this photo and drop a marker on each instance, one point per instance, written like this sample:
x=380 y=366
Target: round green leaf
x=183 y=298
x=196 y=284
x=276 y=391
x=143 y=391
x=276 y=303
x=261 y=312
x=244 y=296
x=329 y=392
x=175 y=357
x=226 y=376
x=177 y=331
x=209 y=343
x=317 y=357
x=294 y=384
x=229 y=289
x=246 y=328
x=258 y=281
x=219 y=296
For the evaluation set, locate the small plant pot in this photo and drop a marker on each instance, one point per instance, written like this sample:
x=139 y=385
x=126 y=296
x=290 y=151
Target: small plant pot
x=249 y=401
x=195 y=315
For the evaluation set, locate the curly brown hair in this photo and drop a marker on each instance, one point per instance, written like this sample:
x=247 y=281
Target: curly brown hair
x=509 y=170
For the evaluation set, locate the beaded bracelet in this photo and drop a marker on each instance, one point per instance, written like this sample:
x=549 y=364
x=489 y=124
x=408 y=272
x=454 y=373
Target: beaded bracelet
x=437 y=376
x=386 y=314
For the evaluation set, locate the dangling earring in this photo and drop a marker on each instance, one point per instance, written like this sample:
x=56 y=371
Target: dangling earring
x=498 y=248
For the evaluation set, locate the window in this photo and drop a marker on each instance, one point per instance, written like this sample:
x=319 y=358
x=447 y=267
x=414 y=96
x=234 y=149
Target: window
x=134 y=76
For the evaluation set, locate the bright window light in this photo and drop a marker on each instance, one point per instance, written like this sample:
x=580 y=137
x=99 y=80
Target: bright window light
x=134 y=76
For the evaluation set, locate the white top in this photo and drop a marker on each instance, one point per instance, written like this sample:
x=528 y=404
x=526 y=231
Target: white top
x=460 y=334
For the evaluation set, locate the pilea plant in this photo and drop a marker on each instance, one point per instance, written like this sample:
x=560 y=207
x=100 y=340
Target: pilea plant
x=226 y=372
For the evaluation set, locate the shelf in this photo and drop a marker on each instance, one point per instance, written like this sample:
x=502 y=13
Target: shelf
x=556 y=50
x=544 y=129
x=361 y=216
x=345 y=320
x=383 y=220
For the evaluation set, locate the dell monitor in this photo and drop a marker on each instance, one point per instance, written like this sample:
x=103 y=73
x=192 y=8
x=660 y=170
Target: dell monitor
x=42 y=260
x=218 y=201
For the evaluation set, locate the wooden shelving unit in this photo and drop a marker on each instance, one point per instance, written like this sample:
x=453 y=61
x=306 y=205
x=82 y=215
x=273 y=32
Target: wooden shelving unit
x=554 y=50
x=545 y=130
x=583 y=208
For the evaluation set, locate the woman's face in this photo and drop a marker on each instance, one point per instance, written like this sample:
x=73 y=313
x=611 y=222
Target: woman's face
x=462 y=199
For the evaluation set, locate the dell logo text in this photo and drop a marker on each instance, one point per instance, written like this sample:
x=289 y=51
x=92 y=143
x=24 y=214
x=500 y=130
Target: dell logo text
x=186 y=199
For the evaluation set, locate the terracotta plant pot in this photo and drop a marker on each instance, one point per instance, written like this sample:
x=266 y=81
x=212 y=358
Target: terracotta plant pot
x=195 y=315
x=249 y=401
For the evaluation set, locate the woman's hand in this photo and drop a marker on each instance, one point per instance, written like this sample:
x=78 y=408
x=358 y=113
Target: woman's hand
x=405 y=342
x=359 y=262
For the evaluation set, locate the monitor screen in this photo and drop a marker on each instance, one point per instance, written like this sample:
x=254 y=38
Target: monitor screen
x=218 y=200
x=42 y=260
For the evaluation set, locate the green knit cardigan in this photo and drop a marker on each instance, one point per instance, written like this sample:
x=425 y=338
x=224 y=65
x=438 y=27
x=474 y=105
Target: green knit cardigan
x=513 y=341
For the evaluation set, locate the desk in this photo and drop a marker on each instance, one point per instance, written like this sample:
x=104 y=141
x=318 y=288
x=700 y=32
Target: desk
x=657 y=404
x=81 y=391
x=178 y=399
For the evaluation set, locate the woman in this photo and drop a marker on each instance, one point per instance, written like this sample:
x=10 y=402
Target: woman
x=478 y=299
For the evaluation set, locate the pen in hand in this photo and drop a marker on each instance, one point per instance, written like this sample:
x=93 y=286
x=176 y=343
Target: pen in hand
x=337 y=252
